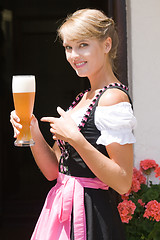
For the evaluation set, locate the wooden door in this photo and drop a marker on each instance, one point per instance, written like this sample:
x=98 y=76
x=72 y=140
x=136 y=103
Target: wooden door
x=33 y=50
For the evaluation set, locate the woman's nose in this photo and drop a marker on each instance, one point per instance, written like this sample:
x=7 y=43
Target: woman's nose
x=74 y=54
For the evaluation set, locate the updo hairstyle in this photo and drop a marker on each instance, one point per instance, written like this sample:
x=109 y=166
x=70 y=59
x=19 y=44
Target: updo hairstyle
x=87 y=24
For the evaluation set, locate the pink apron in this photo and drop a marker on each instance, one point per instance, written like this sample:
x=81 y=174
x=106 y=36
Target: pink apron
x=54 y=222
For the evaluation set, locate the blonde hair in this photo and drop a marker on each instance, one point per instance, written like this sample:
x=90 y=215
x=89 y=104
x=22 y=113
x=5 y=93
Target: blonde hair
x=90 y=23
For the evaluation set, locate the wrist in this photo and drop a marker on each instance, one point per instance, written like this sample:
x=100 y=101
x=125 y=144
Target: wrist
x=35 y=131
x=78 y=139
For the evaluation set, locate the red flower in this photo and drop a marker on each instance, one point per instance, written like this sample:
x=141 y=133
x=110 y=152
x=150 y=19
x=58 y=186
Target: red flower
x=157 y=172
x=136 y=186
x=125 y=196
x=141 y=202
x=139 y=175
x=152 y=210
x=148 y=164
x=137 y=179
x=126 y=210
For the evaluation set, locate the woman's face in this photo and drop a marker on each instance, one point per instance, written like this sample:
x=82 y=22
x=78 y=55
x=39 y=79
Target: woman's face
x=87 y=57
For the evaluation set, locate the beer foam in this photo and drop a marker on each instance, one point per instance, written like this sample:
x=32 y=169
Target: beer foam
x=23 y=83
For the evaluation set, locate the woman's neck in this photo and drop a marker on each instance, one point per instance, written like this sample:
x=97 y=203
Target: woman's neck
x=102 y=79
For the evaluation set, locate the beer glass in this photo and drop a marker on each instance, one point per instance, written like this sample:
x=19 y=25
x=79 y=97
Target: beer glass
x=23 y=89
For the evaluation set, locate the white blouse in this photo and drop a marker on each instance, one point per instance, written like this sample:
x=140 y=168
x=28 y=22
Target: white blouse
x=116 y=123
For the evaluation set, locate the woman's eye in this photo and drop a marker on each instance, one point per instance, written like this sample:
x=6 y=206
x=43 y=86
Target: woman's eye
x=83 y=45
x=68 y=48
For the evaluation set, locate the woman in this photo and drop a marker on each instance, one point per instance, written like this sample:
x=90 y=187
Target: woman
x=92 y=157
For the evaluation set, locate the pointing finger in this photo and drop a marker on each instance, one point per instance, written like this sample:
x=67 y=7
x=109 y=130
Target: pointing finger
x=48 y=119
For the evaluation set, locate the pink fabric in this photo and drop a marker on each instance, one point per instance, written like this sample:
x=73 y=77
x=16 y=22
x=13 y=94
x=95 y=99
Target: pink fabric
x=55 y=220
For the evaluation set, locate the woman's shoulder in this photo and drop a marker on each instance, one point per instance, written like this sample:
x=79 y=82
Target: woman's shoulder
x=113 y=96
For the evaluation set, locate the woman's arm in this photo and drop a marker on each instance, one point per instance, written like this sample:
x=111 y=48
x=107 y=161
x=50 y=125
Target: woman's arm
x=45 y=156
x=115 y=171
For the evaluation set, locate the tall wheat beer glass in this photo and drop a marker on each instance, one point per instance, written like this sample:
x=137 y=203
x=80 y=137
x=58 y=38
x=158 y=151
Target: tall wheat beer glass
x=23 y=88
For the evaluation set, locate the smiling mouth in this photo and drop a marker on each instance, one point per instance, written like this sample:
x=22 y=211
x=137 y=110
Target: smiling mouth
x=78 y=65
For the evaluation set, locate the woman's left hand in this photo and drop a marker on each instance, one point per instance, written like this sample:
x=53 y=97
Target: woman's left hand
x=63 y=128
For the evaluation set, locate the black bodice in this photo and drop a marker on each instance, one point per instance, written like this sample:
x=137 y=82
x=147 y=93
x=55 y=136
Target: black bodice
x=71 y=163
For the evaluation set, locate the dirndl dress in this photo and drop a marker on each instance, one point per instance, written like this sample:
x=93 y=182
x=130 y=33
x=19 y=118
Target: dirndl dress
x=80 y=206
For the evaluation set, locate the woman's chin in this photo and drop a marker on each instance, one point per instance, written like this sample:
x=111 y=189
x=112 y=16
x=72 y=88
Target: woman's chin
x=81 y=74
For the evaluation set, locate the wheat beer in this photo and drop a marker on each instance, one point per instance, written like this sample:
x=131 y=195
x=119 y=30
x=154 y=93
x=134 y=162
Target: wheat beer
x=23 y=88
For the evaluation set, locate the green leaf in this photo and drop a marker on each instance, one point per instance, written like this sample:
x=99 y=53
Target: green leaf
x=155 y=233
x=151 y=194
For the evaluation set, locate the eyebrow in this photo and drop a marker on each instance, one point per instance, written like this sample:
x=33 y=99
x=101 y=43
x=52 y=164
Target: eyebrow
x=83 y=40
x=79 y=41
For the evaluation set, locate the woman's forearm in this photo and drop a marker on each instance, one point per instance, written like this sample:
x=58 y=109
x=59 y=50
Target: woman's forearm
x=118 y=176
x=44 y=156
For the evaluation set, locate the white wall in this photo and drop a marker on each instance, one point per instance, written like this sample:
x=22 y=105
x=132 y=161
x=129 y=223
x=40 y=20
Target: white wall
x=143 y=18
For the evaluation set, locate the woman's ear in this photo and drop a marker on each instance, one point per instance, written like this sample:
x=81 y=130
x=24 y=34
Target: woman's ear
x=108 y=44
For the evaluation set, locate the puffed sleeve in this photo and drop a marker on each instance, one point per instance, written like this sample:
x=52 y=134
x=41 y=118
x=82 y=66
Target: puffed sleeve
x=116 y=124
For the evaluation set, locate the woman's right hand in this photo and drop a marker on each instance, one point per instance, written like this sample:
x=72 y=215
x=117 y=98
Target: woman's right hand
x=15 y=121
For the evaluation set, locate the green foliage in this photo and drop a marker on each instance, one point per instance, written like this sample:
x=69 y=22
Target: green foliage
x=140 y=226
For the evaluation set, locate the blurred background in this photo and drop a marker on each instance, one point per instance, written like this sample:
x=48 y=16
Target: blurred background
x=28 y=45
